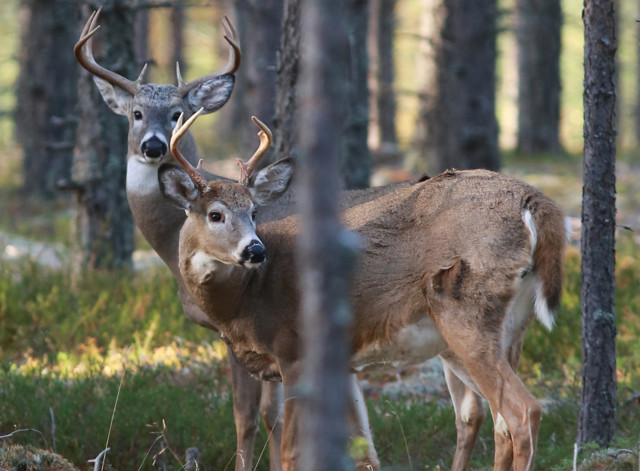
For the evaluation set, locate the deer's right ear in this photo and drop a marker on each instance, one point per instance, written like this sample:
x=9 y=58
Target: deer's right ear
x=116 y=98
x=177 y=186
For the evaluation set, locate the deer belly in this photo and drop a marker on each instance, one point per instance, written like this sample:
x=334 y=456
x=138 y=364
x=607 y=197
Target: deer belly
x=410 y=345
x=261 y=366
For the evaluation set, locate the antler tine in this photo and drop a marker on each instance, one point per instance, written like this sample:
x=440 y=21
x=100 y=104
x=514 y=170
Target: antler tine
x=265 y=141
x=178 y=131
x=235 y=57
x=84 y=56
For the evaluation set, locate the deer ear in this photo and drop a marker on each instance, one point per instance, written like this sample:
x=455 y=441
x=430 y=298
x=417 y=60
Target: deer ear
x=272 y=181
x=211 y=95
x=116 y=98
x=177 y=186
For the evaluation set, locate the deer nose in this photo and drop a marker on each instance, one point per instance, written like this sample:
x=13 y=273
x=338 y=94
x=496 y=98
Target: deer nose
x=255 y=252
x=153 y=147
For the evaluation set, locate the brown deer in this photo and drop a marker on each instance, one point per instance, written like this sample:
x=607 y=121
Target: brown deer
x=455 y=266
x=152 y=110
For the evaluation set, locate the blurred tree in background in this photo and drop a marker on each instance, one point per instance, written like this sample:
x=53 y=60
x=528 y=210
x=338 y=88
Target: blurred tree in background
x=47 y=93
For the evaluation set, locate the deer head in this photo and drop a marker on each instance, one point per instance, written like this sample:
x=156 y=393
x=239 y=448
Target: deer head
x=222 y=214
x=153 y=109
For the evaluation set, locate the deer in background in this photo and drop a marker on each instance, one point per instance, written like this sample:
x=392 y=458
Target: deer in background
x=455 y=266
x=152 y=111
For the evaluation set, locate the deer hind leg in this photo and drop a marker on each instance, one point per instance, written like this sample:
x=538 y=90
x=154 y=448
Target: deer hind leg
x=469 y=417
x=359 y=419
x=246 y=411
x=273 y=419
x=488 y=367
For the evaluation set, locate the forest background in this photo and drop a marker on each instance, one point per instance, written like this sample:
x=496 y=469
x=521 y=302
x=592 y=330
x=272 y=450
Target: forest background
x=66 y=343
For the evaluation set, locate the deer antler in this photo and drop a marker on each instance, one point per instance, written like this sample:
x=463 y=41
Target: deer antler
x=84 y=56
x=194 y=172
x=265 y=141
x=235 y=55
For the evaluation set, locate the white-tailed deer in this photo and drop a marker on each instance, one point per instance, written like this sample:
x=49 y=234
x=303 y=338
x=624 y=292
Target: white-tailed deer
x=152 y=111
x=455 y=266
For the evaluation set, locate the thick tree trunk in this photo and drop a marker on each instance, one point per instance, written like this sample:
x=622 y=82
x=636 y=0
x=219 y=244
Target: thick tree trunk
x=286 y=106
x=598 y=407
x=259 y=24
x=538 y=30
x=177 y=42
x=462 y=121
x=47 y=94
x=104 y=219
x=141 y=37
x=383 y=136
x=325 y=255
x=356 y=163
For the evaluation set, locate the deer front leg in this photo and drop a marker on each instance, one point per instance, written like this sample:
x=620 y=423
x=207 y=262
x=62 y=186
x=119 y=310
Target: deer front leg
x=291 y=456
x=469 y=417
x=359 y=419
x=273 y=419
x=246 y=410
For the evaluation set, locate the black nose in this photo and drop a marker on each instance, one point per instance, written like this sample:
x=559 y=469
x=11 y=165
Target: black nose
x=153 y=147
x=255 y=252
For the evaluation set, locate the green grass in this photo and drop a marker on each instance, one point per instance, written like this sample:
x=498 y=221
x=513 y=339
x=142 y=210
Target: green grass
x=66 y=345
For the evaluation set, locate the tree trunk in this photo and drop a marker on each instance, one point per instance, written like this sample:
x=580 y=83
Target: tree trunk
x=422 y=155
x=356 y=163
x=259 y=24
x=286 y=113
x=177 y=43
x=538 y=31
x=141 y=37
x=382 y=129
x=47 y=94
x=325 y=256
x=598 y=407
x=104 y=219
x=462 y=121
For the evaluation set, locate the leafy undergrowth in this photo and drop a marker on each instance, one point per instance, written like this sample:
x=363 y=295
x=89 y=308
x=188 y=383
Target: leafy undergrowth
x=71 y=348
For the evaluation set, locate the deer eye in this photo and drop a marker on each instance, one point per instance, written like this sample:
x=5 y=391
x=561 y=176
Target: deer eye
x=215 y=216
x=137 y=115
x=176 y=116
x=253 y=215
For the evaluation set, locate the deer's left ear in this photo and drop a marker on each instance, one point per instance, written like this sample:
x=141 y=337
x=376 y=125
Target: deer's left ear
x=272 y=181
x=177 y=186
x=212 y=94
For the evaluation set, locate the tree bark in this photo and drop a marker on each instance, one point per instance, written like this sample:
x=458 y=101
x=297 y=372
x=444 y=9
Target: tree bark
x=47 y=94
x=177 y=42
x=598 y=406
x=259 y=25
x=325 y=255
x=286 y=103
x=382 y=129
x=99 y=172
x=538 y=30
x=462 y=122
x=356 y=163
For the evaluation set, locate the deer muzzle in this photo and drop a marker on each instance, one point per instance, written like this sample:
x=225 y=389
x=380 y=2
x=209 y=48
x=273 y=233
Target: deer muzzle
x=254 y=254
x=153 y=148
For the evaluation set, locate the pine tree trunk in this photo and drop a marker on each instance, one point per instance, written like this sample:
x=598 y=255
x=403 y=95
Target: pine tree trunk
x=383 y=136
x=325 y=258
x=259 y=23
x=104 y=219
x=598 y=407
x=462 y=121
x=539 y=25
x=47 y=94
x=177 y=43
x=356 y=163
x=286 y=106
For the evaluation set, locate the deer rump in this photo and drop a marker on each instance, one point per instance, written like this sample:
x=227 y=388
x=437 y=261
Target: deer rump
x=466 y=251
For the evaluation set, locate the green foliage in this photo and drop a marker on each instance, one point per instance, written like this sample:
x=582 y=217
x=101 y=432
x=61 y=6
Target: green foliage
x=45 y=312
x=194 y=405
x=28 y=458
